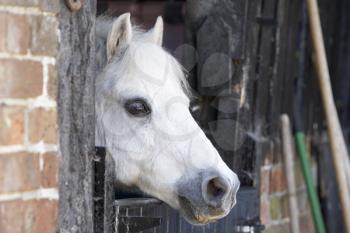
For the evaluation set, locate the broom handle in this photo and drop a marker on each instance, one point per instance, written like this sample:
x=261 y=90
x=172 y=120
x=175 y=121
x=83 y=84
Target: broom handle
x=288 y=154
x=337 y=142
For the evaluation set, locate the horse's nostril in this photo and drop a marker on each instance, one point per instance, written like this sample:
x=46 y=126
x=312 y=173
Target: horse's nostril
x=216 y=188
x=214 y=191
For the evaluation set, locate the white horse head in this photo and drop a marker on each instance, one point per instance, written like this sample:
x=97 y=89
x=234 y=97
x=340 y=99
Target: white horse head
x=143 y=120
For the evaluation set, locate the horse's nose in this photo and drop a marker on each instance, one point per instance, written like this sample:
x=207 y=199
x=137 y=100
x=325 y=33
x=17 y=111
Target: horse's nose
x=216 y=189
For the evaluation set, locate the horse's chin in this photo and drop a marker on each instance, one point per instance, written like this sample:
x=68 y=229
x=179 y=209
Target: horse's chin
x=195 y=216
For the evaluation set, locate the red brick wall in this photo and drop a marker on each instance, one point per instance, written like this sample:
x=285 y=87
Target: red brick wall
x=28 y=132
x=274 y=209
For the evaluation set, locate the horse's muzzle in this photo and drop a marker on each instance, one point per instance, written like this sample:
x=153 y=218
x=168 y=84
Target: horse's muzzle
x=207 y=197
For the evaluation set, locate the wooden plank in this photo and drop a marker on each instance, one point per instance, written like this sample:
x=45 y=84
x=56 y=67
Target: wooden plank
x=285 y=65
x=109 y=195
x=218 y=32
x=245 y=158
x=99 y=189
x=76 y=118
x=330 y=197
x=265 y=67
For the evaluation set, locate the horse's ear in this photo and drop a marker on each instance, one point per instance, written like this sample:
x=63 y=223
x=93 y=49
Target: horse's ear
x=156 y=33
x=120 y=35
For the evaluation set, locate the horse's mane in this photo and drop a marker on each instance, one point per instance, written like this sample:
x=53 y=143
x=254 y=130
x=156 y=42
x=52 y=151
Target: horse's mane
x=103 y=26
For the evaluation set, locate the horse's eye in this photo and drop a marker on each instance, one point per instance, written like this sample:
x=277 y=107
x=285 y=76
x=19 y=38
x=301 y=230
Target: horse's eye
x=137 y=107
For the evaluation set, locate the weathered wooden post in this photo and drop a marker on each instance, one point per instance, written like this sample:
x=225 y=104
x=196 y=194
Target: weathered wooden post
x=76 y=117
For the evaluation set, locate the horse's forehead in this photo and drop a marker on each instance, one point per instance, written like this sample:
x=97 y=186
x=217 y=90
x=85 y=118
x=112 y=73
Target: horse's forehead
x=151 y=62
x=155 y=89
x=151 y=73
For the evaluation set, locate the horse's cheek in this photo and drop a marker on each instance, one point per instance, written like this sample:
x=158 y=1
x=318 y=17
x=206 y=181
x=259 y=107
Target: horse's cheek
x=127 y=172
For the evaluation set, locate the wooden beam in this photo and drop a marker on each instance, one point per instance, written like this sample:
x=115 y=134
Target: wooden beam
x=76 y=118
x=288 y=155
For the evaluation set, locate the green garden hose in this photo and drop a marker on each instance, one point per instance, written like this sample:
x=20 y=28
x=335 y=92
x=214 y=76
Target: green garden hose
x=310 y=186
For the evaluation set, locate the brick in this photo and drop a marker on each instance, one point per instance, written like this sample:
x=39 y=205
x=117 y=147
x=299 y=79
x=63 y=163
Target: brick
x=19 y=172
x=3 y=32
x=278 y=207
x=47 y=216
x=275 y=208
x=279 y=228
x=19 y=2
x=264 y=181
x=49 y=174
x=303 y=202
x=20 y=79
x=278 y=180
x=43 y=125
x=16 y=33
x=34 y=216
x=299 y=177
x=52 y=86
x=285 y=206
x=306 y=223
x=44 y=5
x=50 y=5
x=12 y=125
x=44 y=39
x=264 y=211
